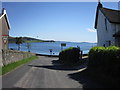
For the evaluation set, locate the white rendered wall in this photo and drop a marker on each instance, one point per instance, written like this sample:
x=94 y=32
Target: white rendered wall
x=104 y=35
x=3 y=31
x=117 y=27
x=0 y=42
x=0 y=34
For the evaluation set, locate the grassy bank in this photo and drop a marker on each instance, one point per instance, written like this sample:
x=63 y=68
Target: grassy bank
x=32 y=41
x=12 y=66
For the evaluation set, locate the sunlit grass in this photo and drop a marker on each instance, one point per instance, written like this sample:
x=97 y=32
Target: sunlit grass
x=12 y=66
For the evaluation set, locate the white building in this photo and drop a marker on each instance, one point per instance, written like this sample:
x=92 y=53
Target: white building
x=107 y=23
x=4 y=32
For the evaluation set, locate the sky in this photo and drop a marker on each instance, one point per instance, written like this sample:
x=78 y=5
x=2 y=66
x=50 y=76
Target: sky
x=59 y=21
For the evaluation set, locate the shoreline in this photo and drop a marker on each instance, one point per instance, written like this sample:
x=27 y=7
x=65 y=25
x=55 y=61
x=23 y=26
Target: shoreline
x=37 y=54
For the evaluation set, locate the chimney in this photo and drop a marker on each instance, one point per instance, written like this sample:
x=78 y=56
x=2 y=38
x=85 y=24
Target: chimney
x=3 y=11
x=99 y=4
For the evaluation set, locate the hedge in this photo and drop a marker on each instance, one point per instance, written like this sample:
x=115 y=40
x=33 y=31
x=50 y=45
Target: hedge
x=69 y=56
x=105 y=60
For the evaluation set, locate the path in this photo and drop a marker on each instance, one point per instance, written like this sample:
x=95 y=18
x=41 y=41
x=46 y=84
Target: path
x=46 y=73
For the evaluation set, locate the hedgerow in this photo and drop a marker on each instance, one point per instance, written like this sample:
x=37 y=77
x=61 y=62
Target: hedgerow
x=69 y=56
x=105 y=60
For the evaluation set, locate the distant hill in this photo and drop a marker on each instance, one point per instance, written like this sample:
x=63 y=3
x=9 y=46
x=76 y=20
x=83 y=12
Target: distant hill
x=28 y=40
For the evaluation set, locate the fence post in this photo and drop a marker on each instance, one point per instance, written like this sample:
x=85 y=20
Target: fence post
x=81 y=54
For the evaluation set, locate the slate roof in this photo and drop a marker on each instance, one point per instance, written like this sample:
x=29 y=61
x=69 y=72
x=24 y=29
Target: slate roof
x=113 y=16
x=6 y=18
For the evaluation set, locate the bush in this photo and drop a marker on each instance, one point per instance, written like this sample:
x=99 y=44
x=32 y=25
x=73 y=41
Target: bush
x=69 y=56
x=105 y=60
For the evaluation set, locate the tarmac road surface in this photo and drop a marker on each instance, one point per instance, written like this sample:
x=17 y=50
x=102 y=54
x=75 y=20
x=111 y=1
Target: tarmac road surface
x=45 y=72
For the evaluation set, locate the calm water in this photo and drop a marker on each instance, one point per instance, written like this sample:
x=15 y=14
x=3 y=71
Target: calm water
x=43 y=47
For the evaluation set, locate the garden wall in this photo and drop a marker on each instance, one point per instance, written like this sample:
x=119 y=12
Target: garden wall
x=10 y=56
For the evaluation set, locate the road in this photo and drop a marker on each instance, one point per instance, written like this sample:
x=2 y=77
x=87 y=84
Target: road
x=45 y=72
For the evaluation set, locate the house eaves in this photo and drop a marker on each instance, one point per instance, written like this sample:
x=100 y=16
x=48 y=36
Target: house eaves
x=113 y=16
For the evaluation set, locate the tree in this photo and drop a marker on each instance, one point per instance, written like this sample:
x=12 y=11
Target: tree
x=19 y=41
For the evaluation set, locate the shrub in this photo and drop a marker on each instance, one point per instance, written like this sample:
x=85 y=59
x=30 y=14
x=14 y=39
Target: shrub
x=69 y=56
x=105 y=60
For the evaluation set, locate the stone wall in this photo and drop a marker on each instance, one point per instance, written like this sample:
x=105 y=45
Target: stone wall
x=10 y=56
x=1 y=58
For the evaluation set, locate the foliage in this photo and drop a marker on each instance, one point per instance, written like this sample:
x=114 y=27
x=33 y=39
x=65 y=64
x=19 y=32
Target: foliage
x=28 y=40
x=19 y=41
x=69 y=56
x=105 y=60
x=32 y=41
x=12 y=66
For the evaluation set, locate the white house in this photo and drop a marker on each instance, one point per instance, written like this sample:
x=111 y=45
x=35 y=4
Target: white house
x=4 y=32
x=107 y=23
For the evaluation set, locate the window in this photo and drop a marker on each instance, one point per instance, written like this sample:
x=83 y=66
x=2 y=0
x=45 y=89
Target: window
x=108 y=43
x=106 y=24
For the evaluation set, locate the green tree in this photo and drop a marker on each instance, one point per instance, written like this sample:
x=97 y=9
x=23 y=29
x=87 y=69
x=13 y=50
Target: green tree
x=19 y=41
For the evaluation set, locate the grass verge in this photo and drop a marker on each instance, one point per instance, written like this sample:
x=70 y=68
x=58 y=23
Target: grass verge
x=12 y=66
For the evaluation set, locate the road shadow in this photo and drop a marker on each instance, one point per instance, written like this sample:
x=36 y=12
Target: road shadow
x=56 y=62
x=86 y=80
x=56 y=65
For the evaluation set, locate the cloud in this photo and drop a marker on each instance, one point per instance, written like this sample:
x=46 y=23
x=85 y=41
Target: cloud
x=91 y=30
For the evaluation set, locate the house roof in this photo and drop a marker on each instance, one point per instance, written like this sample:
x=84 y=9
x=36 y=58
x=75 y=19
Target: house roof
x=113 y=16
x=4 y=14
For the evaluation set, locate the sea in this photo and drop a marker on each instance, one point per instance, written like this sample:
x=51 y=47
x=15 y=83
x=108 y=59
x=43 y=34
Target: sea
x=45 y=47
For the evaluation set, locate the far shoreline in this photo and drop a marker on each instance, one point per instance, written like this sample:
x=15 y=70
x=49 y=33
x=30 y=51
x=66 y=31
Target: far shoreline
x=37 y=54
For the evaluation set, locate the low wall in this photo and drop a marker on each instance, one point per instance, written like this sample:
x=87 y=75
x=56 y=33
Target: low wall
x=10 y=56
x=1 y=58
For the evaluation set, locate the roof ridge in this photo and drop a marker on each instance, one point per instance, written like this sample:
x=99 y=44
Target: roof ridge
x=110 y=9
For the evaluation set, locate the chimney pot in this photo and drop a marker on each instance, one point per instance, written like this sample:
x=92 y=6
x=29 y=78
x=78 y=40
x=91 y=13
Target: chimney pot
x=3 y=11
